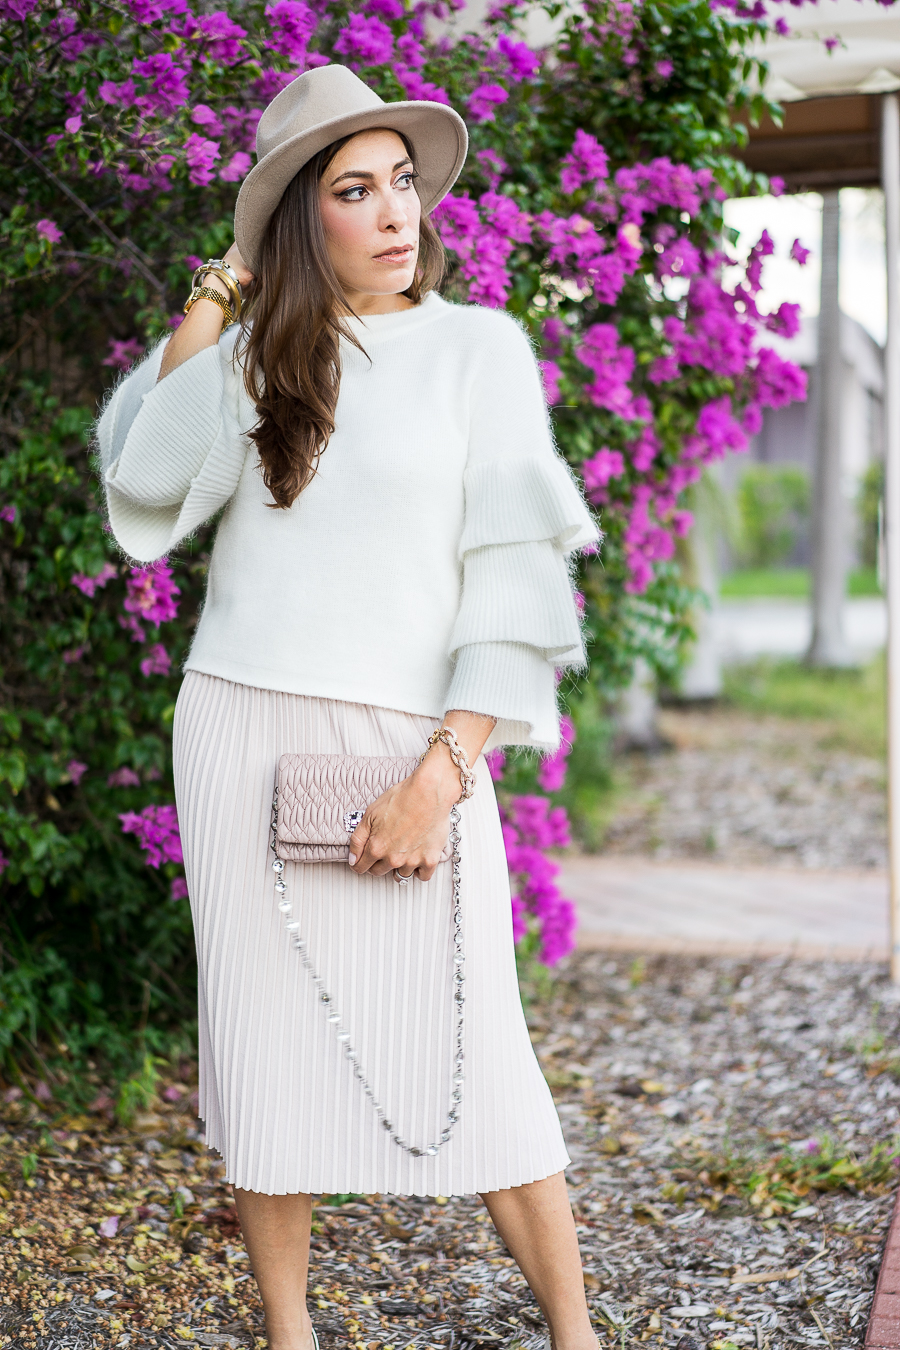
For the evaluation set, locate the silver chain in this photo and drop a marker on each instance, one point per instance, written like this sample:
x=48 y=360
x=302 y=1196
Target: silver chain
x=333 y=1017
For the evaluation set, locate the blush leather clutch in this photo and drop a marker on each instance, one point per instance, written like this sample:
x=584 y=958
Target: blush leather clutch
x=320 y=800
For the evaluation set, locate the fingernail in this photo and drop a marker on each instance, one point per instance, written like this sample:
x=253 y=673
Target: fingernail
x=352 y=859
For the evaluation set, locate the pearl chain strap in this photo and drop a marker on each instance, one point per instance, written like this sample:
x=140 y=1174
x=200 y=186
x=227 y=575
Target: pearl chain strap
x=333 y=1017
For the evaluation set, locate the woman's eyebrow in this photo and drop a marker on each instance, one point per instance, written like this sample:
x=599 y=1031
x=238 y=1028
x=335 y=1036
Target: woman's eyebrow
x=364 y=173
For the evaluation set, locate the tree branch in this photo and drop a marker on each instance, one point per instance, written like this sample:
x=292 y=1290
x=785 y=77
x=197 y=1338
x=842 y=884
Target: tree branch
x=125 y=244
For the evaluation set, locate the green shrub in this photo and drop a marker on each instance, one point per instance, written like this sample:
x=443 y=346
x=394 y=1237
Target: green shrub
x=773 y=503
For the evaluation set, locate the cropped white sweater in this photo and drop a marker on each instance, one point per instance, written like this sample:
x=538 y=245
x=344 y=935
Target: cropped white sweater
x=422 y=569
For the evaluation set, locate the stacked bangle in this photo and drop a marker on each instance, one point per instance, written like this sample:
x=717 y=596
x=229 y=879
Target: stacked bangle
x=218 y=267
x=210 y=293
x=231 y=304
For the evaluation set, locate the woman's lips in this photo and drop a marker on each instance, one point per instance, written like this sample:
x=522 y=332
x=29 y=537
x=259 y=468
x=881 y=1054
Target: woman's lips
x=397 y=255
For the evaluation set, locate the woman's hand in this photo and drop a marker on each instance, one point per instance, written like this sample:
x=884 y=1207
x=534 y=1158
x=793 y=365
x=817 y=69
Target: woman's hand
x=407 y=827
x=234 y=259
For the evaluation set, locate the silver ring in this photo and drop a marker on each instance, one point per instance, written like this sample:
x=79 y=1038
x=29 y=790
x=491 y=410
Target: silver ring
x=401 y=880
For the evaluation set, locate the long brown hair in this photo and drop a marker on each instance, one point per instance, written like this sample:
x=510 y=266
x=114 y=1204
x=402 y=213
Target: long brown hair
x=292 y=326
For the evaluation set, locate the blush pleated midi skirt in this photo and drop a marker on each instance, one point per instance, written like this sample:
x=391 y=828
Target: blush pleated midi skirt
x=277 y=1094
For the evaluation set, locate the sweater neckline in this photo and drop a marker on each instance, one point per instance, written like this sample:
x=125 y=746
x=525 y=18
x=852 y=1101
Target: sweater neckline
x=398 y=321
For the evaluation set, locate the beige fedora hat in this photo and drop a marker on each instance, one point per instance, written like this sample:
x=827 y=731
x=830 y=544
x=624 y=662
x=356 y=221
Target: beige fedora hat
x=322 y=106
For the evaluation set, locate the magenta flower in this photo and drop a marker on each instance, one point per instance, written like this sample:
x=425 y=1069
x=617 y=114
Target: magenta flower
x=223 y=37
x=201 y=155
x=179 y=890
x=496 y=762
x=73 y=654
x=612 y=367
x=388 y=9
x=237 y=167
x=156 y=662
x=123 y=354
x=8 y=514
x=601 y=467
x=664 y=69
x=156 y=828
x=551 y=376
x=151 y=596
x=89 y=585
x=123 y=777
x=520 y=62
x=109 y=1226
x=552 y=773
x=365 y=41
x=49 y=230
x=76 y=770
x=293 y=24
x=492 y=166
x=586 y=163
x=4 y=863
x=782 y=27
x=414 y=87
x=799 y=254
x=168 y=84
x=776 y=186
x=485 y=100
x=203 y=116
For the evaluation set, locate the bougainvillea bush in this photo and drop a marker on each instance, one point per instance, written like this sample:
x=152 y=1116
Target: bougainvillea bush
x=590 y=207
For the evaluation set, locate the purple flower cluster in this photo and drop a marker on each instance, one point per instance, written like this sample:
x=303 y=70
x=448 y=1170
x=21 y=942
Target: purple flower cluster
x=123 y=354
x=156 y=828
x=552 y=773
x=150 y=597
x=89 y=585
x=530 y=827
x=483 y=235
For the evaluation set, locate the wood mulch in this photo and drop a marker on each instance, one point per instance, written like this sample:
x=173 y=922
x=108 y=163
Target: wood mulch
x=726 y=1122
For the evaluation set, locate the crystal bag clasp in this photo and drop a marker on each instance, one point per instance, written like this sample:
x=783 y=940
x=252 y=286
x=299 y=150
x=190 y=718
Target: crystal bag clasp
x=351 y=819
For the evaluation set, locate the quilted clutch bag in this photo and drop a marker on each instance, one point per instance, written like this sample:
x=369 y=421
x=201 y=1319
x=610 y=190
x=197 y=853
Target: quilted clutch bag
x=320 y=800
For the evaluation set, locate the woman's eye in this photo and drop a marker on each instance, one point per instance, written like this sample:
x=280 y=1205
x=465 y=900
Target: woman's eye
x=405 y=180
x=354 y=194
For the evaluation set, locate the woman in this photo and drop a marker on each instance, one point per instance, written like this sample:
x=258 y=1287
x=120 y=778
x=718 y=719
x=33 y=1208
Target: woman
x=391 y=556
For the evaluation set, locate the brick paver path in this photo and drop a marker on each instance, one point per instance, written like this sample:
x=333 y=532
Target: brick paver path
x=634 y=904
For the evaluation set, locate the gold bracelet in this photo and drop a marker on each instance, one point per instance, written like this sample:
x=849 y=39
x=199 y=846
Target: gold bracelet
x=210 y=293
x=228 y=283
x=227 y=275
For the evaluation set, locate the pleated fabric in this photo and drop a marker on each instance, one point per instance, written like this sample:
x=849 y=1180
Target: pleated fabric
x=278 y=1097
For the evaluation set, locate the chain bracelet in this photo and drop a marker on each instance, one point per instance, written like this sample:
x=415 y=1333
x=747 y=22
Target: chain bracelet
x=333 y=1017
x=447 y=736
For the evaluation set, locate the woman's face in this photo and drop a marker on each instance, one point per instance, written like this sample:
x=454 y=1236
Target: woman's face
x=371 y=211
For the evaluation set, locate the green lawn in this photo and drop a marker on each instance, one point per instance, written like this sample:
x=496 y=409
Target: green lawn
x=850 y=703
x=789 y=583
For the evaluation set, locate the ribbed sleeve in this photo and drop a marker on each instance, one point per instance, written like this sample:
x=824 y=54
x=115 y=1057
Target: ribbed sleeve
x=171 y=451
x=517 y=621
x=513 y=683
x=511 y=501
x=519 y=593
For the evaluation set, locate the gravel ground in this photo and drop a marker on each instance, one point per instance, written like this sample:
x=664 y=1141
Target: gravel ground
x=757 y=790
x=724 y=1120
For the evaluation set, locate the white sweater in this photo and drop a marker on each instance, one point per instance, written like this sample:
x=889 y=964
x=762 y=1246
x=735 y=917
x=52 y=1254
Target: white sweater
x=422 y=569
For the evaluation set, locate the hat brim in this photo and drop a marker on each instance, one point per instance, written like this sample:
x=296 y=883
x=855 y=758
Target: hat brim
x=437 y=134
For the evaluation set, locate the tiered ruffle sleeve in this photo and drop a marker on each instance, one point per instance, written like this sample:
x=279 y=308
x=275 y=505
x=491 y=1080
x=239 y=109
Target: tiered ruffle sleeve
x=518 y=622
x=171 y=452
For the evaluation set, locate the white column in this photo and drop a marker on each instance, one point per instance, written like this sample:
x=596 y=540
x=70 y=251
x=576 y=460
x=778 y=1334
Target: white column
x=890 y=178
x=830 y=508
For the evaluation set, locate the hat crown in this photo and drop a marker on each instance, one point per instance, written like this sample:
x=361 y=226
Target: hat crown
x=313 y=98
